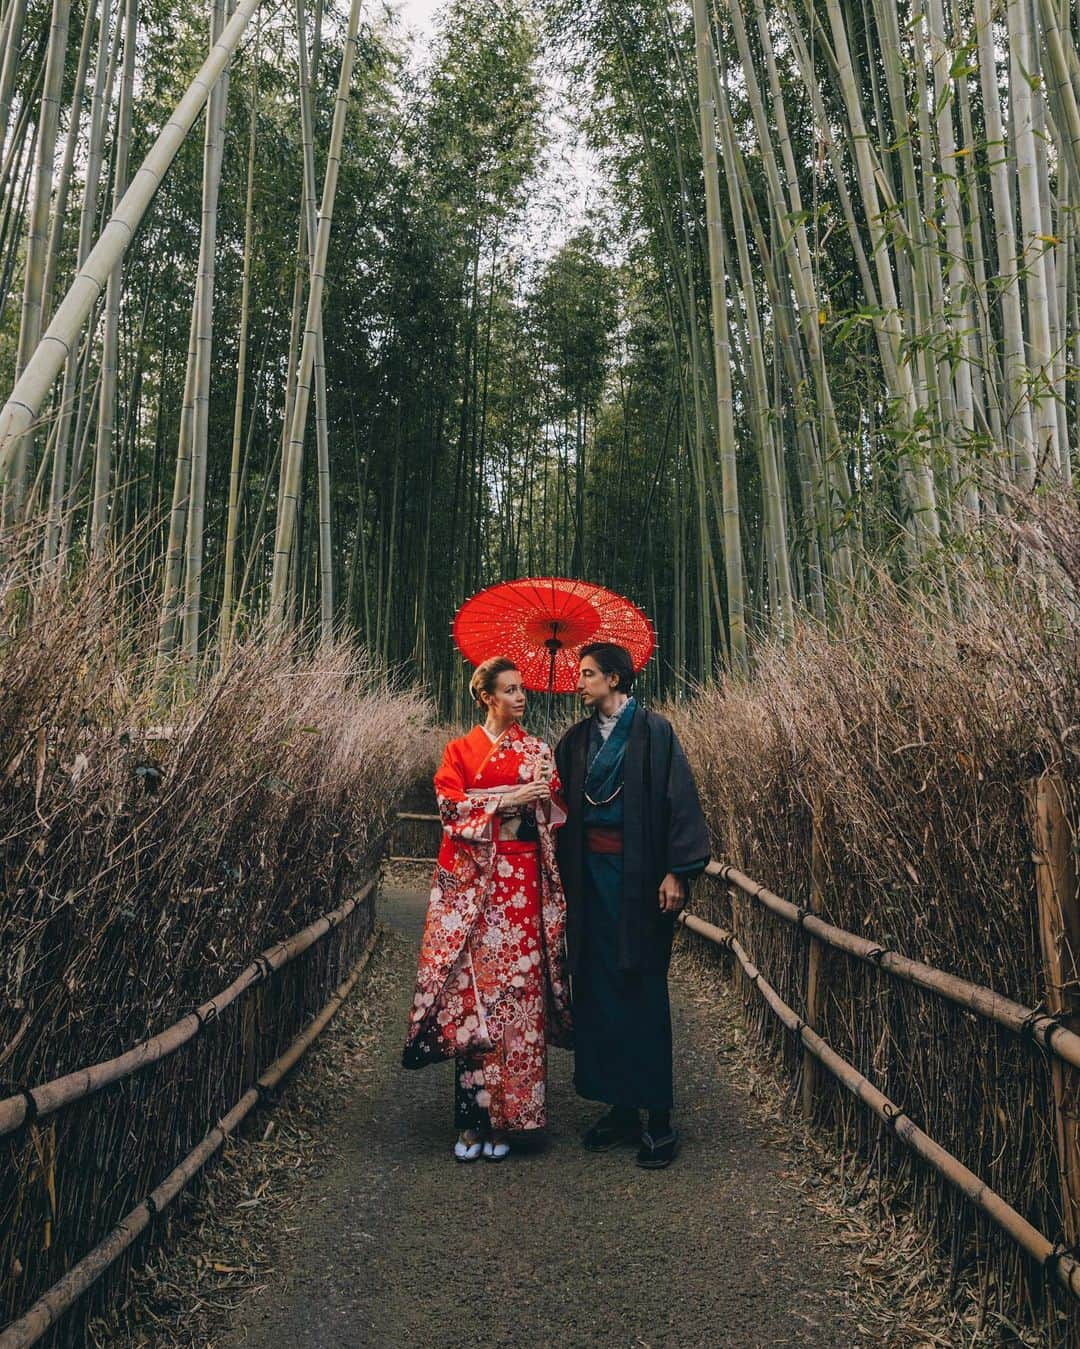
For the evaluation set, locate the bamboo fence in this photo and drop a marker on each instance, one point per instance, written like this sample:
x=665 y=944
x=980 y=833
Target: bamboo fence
x=1052 y=1256
x=1051 y=1027
x=215 y=1051
x=59 y=1299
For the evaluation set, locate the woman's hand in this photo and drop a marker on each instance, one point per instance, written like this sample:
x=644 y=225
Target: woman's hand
x=672 y=894
x=526 y=795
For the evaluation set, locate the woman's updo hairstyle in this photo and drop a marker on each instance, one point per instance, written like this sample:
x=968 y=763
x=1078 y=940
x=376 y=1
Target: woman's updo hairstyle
x=485 y=675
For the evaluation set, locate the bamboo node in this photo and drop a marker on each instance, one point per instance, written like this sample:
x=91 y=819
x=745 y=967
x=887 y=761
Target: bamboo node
x=1055 y=1261
x=893 y=1114
x=1045 y=1023
x=31 y=1106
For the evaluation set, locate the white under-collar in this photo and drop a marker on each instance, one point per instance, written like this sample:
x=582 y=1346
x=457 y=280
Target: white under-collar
x=606 y=721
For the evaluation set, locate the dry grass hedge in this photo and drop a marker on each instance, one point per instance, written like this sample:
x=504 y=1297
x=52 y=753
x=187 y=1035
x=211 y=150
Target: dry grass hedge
x=148 y=849
x=911 y=733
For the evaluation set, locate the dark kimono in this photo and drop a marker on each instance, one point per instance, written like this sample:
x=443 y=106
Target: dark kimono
x=634 y=816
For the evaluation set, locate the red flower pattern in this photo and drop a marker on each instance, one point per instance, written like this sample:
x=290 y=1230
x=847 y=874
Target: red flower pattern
x=491 y=984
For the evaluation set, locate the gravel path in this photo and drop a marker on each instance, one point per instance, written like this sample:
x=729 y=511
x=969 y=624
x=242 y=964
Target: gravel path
x=397 y=1246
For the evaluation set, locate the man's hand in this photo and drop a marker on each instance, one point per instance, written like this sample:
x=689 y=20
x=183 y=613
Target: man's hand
x=672 y=894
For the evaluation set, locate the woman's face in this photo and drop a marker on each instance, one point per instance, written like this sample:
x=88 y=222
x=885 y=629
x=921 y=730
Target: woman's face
x=508 y=697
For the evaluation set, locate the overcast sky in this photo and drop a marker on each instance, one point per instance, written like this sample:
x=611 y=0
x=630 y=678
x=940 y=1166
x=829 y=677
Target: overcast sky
x=572 y=183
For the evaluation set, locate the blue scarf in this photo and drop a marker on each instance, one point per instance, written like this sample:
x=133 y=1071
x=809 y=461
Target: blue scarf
x=603 y=782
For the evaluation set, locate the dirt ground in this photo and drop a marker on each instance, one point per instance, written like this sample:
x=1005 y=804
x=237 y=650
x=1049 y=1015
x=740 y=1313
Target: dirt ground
x=395 y=1245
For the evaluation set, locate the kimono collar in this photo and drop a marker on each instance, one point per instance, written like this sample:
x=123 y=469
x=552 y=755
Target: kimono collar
x=603 y=781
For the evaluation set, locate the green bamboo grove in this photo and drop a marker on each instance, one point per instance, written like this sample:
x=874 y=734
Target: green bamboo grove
x=285 y=320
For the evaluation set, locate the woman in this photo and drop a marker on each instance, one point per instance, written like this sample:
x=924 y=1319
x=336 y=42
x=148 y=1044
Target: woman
x=491 y=988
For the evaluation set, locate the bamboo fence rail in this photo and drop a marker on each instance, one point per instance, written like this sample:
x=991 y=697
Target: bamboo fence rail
x=63 y=1091
x=1044 y=1028
x=1054 y=1258
x=48 y=1309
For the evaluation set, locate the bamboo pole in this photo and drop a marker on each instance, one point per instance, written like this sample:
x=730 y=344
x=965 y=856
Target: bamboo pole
x=37 y=241
x=63 y=185
x=1044 y=1029
x=24 y=403
x=233 y=511
x=322 y=443
x=814 y=952
x=63 y=1295
x=287 y=517
x=213 y=153
x=87 y=214
x=1033 y=252
x=14 y=20
x=732 y=532
x=105 y=451
x=1059 y=937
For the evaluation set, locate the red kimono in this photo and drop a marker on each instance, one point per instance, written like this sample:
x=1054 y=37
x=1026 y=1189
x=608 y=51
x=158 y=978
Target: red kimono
x=491 y=988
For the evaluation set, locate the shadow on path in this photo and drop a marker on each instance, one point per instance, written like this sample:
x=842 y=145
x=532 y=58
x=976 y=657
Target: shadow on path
x=399 y=1246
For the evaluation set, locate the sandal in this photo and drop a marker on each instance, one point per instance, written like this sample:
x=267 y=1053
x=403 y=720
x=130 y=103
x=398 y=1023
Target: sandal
x=464 y=1151
x=656 y=1153
x=611 y=1130
x=495 y=1152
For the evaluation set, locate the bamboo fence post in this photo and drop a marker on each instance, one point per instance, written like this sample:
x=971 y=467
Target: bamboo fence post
x=1059 y=936
x=814 y=953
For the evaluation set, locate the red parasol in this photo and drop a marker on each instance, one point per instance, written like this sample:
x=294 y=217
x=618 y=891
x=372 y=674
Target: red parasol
x=541 y=622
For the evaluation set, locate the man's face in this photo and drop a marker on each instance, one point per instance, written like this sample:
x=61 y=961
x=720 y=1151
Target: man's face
x=593 y=684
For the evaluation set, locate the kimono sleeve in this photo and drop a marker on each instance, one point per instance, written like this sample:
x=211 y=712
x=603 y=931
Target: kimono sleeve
x=689 y=846
x=465 y=818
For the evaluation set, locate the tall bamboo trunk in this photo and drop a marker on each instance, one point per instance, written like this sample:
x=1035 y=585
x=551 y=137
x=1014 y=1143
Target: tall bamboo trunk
x=204 y=347
x=287 y=508
x=33 y=385
x=721 y=347
x=103 y=460
x=38 y=237
x=233 y=515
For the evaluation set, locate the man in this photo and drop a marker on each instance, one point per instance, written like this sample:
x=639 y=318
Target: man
x=635 y=833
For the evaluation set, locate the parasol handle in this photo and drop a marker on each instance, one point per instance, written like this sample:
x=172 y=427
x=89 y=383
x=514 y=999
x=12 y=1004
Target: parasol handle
x=554 y=646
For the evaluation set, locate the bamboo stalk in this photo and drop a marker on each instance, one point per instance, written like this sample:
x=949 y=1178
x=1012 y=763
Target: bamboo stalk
x=213 y=152
x=63 y=185
x=1033 y=252
x=105 y=451
x=12 y=34
x=87 y=213
x=732 y=532
x=287 y=512
x=38 y=235
x=233 y=511
x=322 y=445
x=25 y=400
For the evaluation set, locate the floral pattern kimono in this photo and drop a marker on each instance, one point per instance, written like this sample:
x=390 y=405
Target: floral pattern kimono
x=491 y=987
